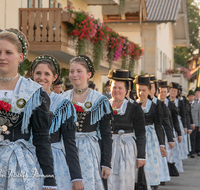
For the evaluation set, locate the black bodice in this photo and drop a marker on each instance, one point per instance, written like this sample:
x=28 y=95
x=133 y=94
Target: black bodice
x=83 y=122
x=10 y=129
x=39 y=124
x=154 y=116
x=149 y=117
x=132 y=120
x=125 y=121
x=174 y=117
x=83 y=125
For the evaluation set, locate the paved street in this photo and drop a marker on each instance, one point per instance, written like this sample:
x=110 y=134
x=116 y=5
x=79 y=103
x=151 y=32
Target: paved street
x=189 y=180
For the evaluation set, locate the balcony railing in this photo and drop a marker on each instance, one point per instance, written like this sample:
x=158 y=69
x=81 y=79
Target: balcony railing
x=47 y=28
x=101 y=2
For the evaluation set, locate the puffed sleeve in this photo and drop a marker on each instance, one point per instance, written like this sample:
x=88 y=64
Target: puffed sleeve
x=166 y=123
x=40 y=122
x=157 y=119
x=106 y=139
x=68 y=132
x=198 y=114
x=190 y=113
x=139 y=126
x=174 y=113
x=183 y=113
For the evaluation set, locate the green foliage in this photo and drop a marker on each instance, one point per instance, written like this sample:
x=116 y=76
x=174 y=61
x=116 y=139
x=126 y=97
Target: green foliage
x=81 y=46
x=24 y=67
x=110 y=57
x=98 y=49
x=64 y=75
x=182 y=54
x=124 y=62
x=122 y=5
x=131 y=66
x=143 y=73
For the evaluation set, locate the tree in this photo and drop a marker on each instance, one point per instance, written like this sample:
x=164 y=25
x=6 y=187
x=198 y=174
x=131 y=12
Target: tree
x=182 y=54
x=24 y=67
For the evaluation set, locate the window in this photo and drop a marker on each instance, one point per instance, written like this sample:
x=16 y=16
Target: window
x=51 y=3
x=164 y=63
x=34 y=3
x=161 y=61
x=30 y=3
x=39 y=3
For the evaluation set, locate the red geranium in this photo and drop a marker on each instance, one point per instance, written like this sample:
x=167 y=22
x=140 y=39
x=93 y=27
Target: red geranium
x=115 y=112
x=78 y=108
x=5 y=106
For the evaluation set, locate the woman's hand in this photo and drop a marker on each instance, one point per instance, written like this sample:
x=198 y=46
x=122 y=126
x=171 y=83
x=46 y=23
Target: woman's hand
x=77 y=185
x=185 y=130
x=193 y=127
x=140 y=163
x=171 y=145
x=179 y=139
x=105 y=172
x=163 y=151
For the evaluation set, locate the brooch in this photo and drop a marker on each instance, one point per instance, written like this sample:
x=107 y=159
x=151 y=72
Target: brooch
x=88 y=105
x=21 y=103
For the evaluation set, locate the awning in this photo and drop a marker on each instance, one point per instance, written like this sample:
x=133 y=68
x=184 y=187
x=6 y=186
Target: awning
x=162 y=10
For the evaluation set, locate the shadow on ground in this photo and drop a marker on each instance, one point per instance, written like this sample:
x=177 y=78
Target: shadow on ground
x=189 y=179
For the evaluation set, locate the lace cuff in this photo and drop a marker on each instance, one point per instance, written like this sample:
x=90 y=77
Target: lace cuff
x=162 y=145
x=50 y=187
x=141 y=159
x=106 y=167
x=76 y=180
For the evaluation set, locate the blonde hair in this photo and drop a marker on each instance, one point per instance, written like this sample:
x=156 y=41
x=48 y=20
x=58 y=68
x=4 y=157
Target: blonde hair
x=12 y=35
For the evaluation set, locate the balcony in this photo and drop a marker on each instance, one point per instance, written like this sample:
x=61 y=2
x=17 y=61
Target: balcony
x=102 y=2
x=134 y=11
x=46 y=29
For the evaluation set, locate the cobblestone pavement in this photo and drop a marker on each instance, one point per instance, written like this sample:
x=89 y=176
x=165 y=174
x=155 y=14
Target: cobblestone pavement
x=189 y=179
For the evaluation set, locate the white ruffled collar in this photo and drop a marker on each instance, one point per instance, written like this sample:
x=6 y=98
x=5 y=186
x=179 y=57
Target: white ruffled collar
x=147 y=107
x=122 y=109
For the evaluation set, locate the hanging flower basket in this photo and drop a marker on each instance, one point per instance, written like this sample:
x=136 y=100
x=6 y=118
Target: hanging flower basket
x=86 y=28
x=184 y=71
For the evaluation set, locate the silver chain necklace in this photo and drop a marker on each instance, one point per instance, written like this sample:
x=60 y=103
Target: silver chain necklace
x=8 y=79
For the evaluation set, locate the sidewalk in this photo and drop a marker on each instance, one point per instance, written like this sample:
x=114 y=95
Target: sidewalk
x=189 y=179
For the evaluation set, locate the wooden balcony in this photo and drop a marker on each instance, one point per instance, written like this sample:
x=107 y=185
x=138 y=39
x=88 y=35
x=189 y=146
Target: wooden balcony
x=101 y=2
x=46 y=29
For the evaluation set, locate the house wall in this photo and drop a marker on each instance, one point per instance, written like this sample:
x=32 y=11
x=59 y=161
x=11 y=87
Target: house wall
x=130 y=30
x=148 y=61
x=164 y=48
x=178 y=78
x=9 y=18
x=192 y=85
x=96 y=11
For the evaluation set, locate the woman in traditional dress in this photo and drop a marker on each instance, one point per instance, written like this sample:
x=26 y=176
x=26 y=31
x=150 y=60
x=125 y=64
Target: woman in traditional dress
x=93 y=112
x=173 y=92
x=24 y=108
x=127 y=153
x=173 y=156
x=154 y=131
x=46 y=71
x=169 y=142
